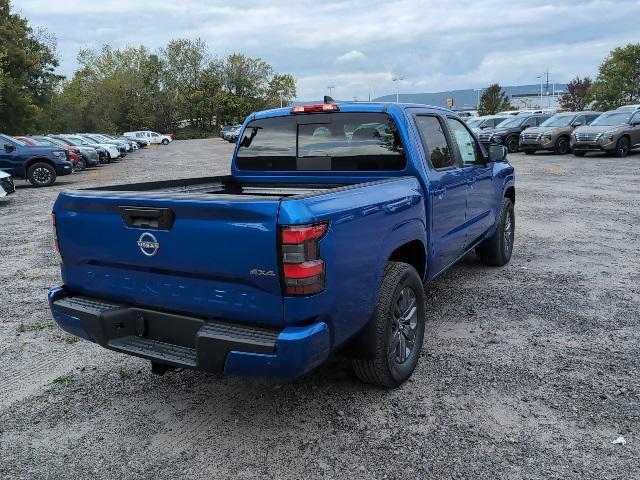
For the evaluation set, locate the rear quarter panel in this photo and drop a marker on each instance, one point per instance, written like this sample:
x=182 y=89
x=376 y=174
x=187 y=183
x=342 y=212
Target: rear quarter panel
x=367 y=222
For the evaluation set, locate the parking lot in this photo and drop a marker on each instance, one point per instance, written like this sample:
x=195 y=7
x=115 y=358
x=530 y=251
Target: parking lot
x=528 y=371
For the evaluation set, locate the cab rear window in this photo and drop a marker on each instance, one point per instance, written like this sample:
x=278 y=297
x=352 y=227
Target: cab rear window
x=322 y=142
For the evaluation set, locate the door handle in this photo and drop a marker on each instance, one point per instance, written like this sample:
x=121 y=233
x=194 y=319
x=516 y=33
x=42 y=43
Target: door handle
x=438 y=192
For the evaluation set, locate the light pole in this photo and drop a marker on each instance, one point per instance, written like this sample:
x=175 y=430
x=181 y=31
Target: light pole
x=478 y=103
x=331 y=87
x=280 y=92
x=397 y=79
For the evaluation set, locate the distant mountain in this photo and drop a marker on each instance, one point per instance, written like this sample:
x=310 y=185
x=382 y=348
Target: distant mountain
x=463 y=99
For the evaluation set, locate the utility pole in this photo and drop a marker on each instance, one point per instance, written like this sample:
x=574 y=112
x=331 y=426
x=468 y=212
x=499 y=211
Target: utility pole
x=331 y=87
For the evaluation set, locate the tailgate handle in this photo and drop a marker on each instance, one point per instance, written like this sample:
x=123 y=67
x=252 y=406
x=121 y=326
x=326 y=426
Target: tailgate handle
x=147 y=217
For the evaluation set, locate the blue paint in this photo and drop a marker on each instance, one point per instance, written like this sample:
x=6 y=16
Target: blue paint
x=202 y=267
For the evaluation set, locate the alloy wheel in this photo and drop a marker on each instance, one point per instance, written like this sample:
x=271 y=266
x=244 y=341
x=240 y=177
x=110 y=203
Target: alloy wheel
x=41 y=175
x=404 y=323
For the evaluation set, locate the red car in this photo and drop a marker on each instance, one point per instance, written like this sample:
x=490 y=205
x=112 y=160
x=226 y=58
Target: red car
x=72 y=152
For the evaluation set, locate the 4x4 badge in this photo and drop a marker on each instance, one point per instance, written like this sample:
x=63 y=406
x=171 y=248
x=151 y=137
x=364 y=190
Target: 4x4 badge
x=262 y=273
x=148 y=244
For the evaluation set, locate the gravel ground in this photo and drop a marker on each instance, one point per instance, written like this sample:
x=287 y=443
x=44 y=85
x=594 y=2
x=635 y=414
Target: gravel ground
x=528 y=371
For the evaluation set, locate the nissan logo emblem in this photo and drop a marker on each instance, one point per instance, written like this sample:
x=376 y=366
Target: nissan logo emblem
x=148 y=244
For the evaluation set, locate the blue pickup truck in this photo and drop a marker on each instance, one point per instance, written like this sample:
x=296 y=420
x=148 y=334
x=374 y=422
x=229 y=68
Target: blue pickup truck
x=317 y=243
x=40 y=165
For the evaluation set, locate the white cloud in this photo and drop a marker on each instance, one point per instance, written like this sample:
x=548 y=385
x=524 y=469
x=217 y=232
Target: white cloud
x=351 y=56
x=433 y=44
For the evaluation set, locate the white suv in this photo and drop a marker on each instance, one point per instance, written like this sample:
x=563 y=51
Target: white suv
x=151 y=137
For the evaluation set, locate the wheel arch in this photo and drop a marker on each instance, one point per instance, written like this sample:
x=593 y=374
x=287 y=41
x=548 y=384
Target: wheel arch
x=30 y=162
x=510 y=193
x=414 y=253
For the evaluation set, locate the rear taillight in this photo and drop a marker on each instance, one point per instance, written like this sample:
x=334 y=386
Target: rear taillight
x=55 y=232
x=303 y=271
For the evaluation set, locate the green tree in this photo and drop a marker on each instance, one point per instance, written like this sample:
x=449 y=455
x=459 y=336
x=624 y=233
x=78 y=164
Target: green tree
x=281 y=91
x=180 y=86
x=576 y=98
x=493 y=100
x=618 y=81
x=27 y=81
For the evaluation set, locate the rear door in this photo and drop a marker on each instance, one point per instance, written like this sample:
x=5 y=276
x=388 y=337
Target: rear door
x=448 y=191
x=212 y=256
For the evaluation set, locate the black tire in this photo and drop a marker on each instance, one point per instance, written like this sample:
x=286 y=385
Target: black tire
x=512 y=144
x=622 y=147
x=81 y=165
x=165 y=141
x=578 y=153
x=562 y=146
x=41 y=174
x=497 y=249
x=393 y=365
x=529 y=151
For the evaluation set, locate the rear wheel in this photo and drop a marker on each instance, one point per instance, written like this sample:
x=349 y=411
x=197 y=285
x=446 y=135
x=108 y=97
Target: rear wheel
x=165 y=141
x=622 y=147
x=81 y=165
x=562 y=146
x=497 y=249
x=399 y=322
x=41 y=174
x=512 y=144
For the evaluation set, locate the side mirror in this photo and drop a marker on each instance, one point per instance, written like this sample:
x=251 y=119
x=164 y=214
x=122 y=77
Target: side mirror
x=577 y=124
x=9 y=148
x=524 y=127
x=497 y=153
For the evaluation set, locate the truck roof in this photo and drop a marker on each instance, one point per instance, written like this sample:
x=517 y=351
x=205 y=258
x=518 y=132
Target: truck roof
x=351 y=107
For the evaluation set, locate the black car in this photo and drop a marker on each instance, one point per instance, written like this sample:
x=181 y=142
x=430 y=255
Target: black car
x=508 y=132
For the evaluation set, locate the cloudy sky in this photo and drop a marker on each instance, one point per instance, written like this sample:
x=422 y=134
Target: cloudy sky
x=360 y=45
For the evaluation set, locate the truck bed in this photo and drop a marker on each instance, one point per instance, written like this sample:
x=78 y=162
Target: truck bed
x=220 y=185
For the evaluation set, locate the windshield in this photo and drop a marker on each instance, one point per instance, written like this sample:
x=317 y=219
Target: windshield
x=78 y=140
x=19 y=142
x=558 y=121
x=613 y=118
x=515 y=121
x=322 y=142
x=62 y=141
x=92 y=139
x=474 y=122
x=45 y=141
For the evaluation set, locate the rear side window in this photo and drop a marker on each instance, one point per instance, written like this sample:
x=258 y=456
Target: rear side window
x=322 y=142
x=434 y=141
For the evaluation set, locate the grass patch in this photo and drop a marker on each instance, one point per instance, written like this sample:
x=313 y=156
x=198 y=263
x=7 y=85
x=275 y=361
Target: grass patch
x=62 y=379
x=30 y=277
x=41 y=325
x=71 y=340
x=123 y=373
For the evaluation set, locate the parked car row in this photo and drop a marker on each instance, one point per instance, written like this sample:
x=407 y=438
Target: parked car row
x=616 y=132
x=40 y=159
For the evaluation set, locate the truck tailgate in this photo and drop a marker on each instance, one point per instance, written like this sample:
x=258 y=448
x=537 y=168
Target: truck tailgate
x=215 y=258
